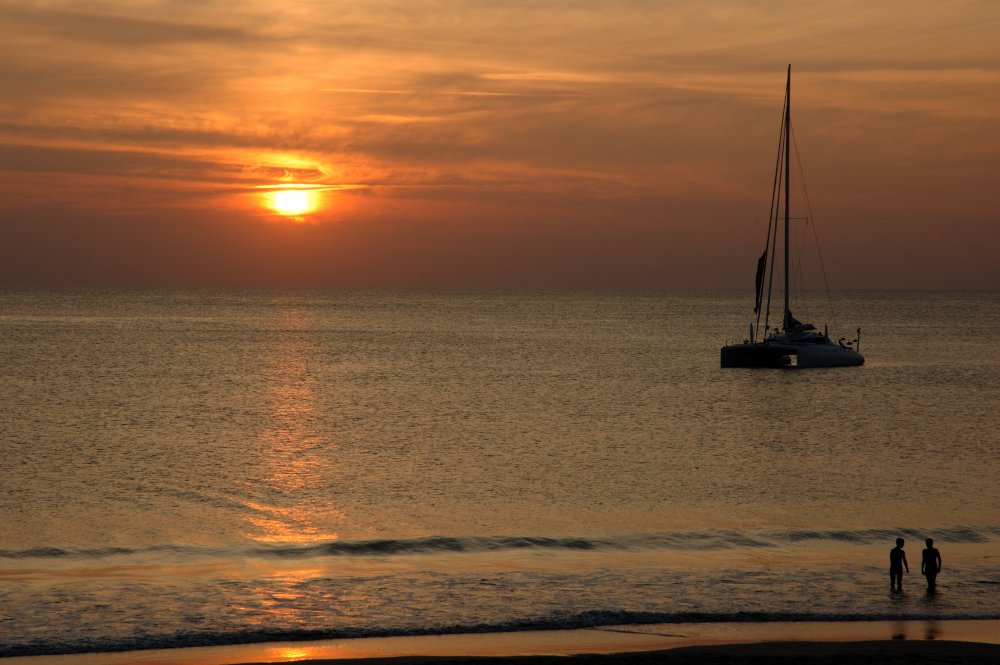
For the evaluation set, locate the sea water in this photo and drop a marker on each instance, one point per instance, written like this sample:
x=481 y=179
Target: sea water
x=215 y=467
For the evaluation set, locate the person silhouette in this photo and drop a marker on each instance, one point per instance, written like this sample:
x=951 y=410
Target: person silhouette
x=897 y=560
x=930 y=566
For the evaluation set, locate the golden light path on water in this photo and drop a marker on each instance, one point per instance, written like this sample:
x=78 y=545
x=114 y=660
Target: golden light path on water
x=287 y=508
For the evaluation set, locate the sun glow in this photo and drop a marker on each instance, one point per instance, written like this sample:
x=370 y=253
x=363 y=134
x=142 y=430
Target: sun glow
x=292 y=202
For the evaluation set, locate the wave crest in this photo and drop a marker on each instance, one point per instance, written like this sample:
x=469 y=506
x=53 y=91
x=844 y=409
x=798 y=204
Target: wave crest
x=709 y=540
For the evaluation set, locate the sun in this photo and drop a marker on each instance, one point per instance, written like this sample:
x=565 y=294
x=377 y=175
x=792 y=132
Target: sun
x=292 y=202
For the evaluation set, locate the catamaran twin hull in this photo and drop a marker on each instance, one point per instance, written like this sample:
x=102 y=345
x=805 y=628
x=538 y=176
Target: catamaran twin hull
x=770 y=354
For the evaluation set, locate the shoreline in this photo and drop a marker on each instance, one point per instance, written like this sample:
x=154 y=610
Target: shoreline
x=972 y=641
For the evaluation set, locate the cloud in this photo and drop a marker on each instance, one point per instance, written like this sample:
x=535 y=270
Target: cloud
x=105 y=30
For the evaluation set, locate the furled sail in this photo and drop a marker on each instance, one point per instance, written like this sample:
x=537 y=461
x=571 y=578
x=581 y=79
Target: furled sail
x=761 y=263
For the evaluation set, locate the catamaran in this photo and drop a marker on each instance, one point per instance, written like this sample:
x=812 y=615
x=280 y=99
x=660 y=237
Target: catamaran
x=794 y=344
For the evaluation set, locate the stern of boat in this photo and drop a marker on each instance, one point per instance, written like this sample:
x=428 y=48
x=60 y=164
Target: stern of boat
x=828 y=355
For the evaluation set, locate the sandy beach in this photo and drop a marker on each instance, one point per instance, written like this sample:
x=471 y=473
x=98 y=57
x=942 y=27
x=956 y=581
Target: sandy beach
x=798 y=642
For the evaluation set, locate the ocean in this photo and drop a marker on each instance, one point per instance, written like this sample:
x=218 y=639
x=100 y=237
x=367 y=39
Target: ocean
x=201 y=467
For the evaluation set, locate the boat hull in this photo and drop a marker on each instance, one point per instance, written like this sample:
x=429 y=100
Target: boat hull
x=754 y=355
x=764 y=354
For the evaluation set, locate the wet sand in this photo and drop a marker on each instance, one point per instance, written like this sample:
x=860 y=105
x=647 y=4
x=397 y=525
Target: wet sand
x=796 y=642
x=820 y=653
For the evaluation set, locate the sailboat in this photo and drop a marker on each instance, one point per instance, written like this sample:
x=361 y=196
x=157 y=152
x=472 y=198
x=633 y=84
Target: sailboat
x=794 y=344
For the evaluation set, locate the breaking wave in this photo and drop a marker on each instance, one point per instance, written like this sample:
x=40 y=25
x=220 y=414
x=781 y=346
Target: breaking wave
x=710 y=540
x=593 y=619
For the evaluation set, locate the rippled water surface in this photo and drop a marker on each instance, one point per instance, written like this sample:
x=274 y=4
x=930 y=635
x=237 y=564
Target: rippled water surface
x=199 y=467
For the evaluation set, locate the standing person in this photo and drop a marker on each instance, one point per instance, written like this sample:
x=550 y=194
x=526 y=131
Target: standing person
x=930 y=566
x=897 y=560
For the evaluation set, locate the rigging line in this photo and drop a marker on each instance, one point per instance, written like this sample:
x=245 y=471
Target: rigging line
x=799 y=240
x=775 y=212
x=772 y=220
x=810 y=221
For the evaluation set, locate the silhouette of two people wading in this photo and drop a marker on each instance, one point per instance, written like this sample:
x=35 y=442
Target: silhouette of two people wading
x=930 y=565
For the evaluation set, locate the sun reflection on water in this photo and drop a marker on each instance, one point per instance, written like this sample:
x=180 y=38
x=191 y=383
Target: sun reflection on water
x=288 y=506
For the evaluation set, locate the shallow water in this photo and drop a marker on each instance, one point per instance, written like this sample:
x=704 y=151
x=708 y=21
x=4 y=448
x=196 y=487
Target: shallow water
x=204 y=467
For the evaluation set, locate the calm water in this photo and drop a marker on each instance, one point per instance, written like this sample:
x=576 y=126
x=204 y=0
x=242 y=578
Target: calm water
x=212 y=467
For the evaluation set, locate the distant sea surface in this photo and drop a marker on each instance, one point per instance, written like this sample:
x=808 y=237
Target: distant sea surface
x=212 y=467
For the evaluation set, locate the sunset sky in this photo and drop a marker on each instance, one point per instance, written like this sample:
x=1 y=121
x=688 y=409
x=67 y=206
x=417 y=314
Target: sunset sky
x=474 y=143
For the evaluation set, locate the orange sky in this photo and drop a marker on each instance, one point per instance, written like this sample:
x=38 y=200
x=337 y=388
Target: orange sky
x=474 y=143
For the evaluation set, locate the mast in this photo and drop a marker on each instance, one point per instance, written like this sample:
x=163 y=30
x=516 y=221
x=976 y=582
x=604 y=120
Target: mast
x=788 y=124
